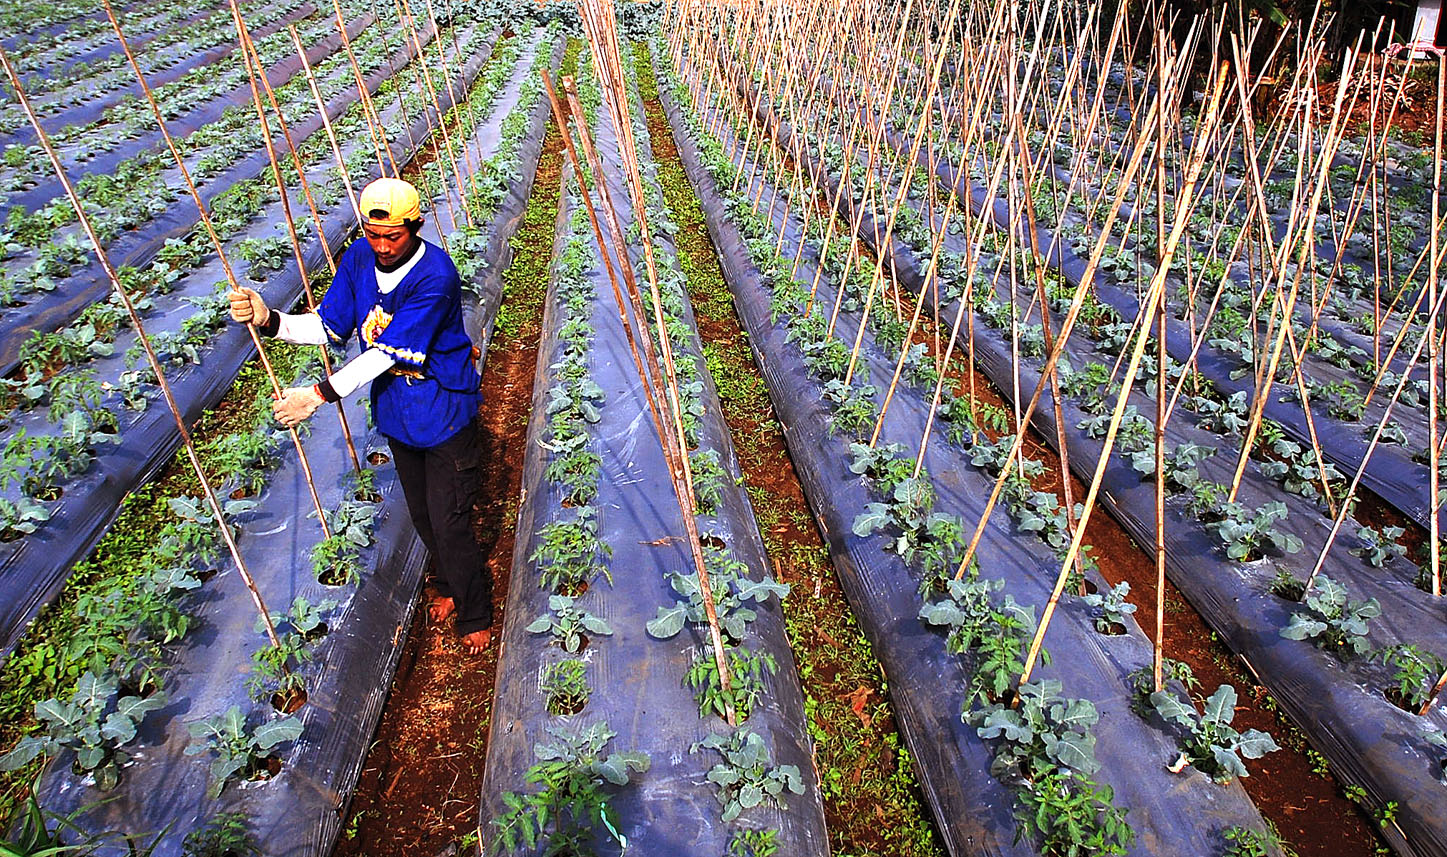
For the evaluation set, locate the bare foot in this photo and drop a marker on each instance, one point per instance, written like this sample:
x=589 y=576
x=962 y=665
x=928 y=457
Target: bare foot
x=477 y=642
x=440 y=609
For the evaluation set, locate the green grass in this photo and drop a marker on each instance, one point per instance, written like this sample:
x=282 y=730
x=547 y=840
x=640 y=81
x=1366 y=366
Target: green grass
x=525 y=280
x=872 y=800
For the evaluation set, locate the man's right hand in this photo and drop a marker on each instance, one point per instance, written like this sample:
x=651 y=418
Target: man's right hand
x=247 y=307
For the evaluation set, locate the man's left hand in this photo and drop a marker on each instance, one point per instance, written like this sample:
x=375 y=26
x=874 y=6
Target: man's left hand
x=295 y=405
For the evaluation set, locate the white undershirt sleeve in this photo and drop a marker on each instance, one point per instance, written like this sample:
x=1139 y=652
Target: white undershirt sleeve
x=304 y=329
x=359 y=370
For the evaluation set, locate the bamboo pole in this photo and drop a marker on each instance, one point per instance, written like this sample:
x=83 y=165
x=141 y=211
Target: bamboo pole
x=671 y=437
x=327 y=125
x=206 y=222
x=306 y=285
x=374 y=120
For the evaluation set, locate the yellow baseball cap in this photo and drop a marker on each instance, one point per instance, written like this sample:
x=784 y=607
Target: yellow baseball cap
x=390 y=202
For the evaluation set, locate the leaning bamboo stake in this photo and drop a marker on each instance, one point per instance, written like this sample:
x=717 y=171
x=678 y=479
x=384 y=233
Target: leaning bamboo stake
x=191 y=455
x=296 y=160
x=276 y=387
x=1158 y=649
x=1433 y=354
x=1288 y=303
x=205 y=218
x=327 y=124
x=603 y=34
x=375 y=127
x=1067 y=491
x=429 y=90
x=1155 y=294
x=311 y=301
x=560 y=118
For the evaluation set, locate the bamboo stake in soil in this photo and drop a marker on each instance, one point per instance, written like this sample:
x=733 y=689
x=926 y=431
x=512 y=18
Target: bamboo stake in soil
x=602 y=31
x=327 y=124
x=296 y=251
x=226 y=535
x=374 y=120
x=306 y=284
x=602 y=38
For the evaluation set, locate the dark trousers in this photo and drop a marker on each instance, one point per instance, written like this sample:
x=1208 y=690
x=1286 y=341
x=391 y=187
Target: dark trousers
x=441 y=485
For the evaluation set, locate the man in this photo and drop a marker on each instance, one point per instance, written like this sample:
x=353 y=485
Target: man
x=403 y=297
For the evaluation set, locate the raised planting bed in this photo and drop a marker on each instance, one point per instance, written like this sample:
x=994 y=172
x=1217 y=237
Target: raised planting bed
x=595 y=478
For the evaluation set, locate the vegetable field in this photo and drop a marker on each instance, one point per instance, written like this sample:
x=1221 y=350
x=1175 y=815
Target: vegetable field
x=911 y=428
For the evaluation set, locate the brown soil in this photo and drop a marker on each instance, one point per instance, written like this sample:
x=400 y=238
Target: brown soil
x=420 y=783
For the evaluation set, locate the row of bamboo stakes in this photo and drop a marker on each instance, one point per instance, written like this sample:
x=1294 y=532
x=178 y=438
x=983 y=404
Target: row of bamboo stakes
x=735 y=56
x=388 y=164
x=653 y=358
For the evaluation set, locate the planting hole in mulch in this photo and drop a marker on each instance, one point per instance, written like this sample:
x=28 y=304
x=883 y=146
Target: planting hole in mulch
x=572 y=590
x=288 y=701
x=264 y=768
x=377 y=457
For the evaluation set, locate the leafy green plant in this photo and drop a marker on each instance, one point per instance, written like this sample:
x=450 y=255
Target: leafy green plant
x=746 y=778
x=1288 y=586
x=20 y=517
x=96 y=723
x=1244 y=842
x=1212 y=745
x=574 y=468
x=1045 y=733
x=563 y=815
x=1415 y=672
x=733 y=590
x=1142 y=682
x=240 y=750
x=753 y=843
x=565 y=686
x=1247 y=533
x=274 y=668
x=1180 y=464
x=966 y=611
x=225 y=835
x=264 y=255
x=1071 y=816
x=746 y=680
x=336 y=560
x=854 y=408
x=1381 y=545
x=999 y=656
x=1114 y=609
x=38 y=832
x=1332 y=620
x=569 y=553
x=708 y=479
x=567 y=622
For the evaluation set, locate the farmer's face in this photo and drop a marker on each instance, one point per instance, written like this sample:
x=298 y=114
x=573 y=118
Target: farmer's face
x=389 y=243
